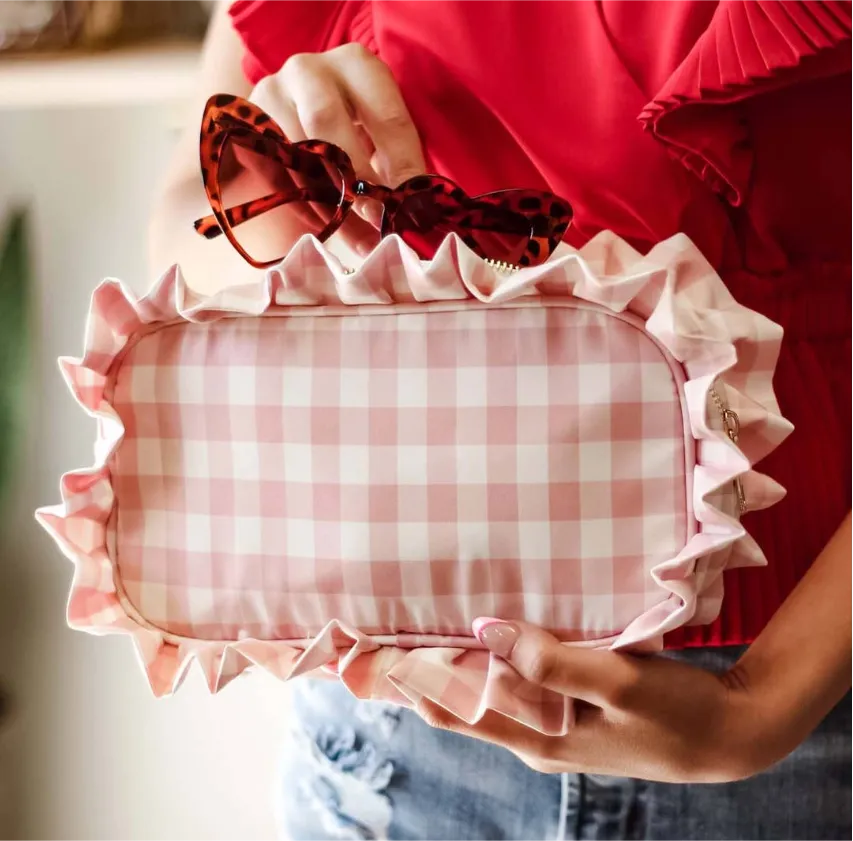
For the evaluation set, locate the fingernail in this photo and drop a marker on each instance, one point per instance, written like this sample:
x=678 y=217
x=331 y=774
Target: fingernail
x=370 y=211
x=498 y=636
x=373 y=214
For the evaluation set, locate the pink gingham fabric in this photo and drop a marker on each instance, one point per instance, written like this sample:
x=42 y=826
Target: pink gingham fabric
x=351 y=468
x=405 y=474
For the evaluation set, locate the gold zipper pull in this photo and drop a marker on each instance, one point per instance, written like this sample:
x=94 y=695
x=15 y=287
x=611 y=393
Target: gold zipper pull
x=731 y=425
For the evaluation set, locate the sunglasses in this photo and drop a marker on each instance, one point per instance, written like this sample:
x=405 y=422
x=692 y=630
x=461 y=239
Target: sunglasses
x=265 y=192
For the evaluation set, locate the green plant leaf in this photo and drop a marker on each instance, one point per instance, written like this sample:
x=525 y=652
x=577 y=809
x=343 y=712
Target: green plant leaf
x=15 y=278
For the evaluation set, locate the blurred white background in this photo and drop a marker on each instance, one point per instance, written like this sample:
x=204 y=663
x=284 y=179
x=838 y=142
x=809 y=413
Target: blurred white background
x=89 y=753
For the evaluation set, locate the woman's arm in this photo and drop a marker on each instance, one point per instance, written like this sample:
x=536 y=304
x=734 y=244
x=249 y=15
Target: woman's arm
x=207 y=265
x=799 y=667
x=345 y=96
x=658 y=719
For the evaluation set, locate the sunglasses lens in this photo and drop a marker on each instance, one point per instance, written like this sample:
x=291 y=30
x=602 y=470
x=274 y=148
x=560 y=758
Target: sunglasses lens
x=494 y=232
x=269 y=204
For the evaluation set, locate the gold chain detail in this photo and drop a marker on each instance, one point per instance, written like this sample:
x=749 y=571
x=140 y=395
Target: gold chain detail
x=731 y=425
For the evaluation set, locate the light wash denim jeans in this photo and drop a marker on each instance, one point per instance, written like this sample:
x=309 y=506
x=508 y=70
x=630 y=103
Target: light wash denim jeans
x=367 y=770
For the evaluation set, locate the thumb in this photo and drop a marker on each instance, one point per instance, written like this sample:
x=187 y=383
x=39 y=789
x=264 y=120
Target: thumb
x=592 y=675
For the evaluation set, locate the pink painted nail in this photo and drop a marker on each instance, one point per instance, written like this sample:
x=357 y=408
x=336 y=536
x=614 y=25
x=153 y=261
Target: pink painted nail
x=498 y=636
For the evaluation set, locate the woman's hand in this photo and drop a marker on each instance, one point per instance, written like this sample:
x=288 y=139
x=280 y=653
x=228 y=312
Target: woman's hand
x=348 y=97
x=657 y=719
x=645 y=717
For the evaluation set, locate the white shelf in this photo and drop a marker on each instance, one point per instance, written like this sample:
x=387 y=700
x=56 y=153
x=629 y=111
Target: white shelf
x=160 y=73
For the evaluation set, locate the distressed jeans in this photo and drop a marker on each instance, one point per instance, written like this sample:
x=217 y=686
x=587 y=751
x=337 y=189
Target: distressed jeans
x=368 y=770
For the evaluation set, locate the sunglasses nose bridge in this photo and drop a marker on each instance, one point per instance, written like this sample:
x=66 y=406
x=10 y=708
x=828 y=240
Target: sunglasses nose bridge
x=364 y=189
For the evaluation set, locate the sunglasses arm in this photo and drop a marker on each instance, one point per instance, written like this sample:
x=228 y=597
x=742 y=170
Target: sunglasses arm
x=209 y=227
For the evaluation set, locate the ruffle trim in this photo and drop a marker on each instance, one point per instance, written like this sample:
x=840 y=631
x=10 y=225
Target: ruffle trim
x=750 y=47
x=686 y=308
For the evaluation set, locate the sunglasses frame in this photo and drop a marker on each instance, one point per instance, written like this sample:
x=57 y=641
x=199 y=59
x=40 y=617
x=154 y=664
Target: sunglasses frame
x=227 y=116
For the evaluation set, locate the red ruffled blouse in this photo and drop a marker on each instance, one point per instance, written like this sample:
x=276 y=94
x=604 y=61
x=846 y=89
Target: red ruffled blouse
x=729 y=121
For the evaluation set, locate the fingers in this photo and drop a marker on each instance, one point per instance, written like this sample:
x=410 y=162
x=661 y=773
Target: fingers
x=319 y=95
x=359 y=233
x=379 y=106
x=602 y=678
x=269 y=95
x=494 y=728
x=348 y=97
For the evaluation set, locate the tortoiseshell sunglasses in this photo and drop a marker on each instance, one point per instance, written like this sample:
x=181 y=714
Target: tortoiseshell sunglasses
x=265 y=192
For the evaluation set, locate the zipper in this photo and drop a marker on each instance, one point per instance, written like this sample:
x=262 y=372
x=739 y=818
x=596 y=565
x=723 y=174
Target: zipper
x=731 y=422
x=502 y=267
x=731 y=426
x=497 y=265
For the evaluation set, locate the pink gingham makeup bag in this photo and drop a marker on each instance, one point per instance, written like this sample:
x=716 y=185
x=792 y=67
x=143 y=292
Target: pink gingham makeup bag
x=348 y=468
